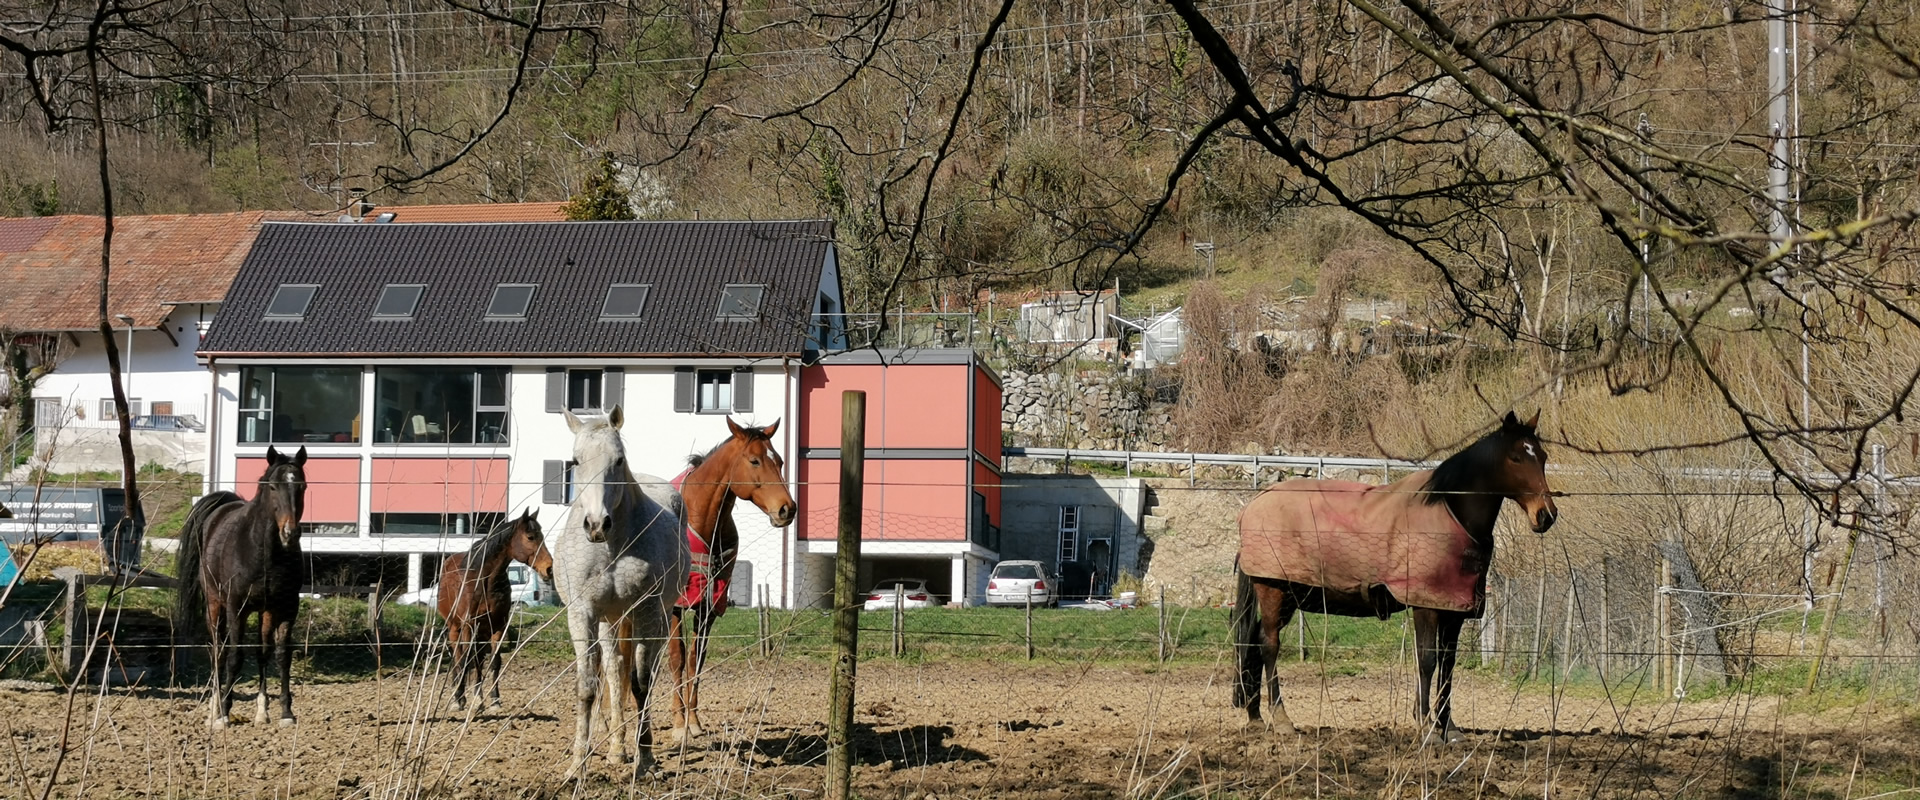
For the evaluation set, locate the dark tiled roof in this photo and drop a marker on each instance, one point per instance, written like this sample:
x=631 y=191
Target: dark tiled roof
x=687 y=264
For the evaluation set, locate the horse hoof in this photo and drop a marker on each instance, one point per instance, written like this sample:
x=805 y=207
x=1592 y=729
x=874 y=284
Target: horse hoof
x=647 y=769
x=616 y=759
x=493 y=707
x=694 y=730
x=680 y=736
x=286 y=722
x=218 y=724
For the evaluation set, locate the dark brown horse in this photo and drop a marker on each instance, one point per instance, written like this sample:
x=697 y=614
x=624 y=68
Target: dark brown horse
x=743 y=467
x=473 y=599
x=1423 y=543
x=239 y=558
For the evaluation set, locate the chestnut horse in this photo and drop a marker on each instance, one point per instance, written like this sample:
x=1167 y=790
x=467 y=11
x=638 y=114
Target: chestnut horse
x=473 y=599
x=742 y=467
x=239 y=558
x=1423 y=543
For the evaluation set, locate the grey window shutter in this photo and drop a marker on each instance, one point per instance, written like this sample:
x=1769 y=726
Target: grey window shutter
x=683 y=390
x=556 y=389
x=742 y=391
x=553 y=483
x=613 y=388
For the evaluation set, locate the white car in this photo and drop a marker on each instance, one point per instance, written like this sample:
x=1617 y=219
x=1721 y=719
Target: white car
x=523 y=589
x=913 y=594
x=1016 y=583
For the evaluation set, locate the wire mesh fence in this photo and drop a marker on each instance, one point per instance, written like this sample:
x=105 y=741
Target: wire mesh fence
x=1653 y=617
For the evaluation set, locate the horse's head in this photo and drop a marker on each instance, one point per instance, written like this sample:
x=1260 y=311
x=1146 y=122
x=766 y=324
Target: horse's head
x=284 y=489
x=529 y=545
x=753 y=470
x=600 y=474
x=1523 y=478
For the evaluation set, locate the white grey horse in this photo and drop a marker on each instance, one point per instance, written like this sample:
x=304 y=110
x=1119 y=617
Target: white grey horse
x=618 y=561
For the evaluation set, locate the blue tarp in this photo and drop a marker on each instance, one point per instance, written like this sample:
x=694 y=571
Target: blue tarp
x=7 y=568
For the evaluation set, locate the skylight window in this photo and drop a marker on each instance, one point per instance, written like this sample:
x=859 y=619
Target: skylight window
x=290 y=301
x=740 y=302
x=398 y=300
x=510 y=301
x=625 y=301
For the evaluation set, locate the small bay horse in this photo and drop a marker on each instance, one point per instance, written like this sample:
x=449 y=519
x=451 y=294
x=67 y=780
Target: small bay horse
x=239 y=558
x=619 y=560
x=1424 y=543
x=473 y=599
x=744 y=466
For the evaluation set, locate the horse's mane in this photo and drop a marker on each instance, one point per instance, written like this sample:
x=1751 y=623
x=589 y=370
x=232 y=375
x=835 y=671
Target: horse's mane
x=491 y=544
x=1462 y=472
x=752 y=432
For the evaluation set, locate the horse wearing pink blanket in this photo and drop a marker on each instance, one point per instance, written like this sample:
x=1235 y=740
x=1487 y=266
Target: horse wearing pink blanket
x=1424 y=542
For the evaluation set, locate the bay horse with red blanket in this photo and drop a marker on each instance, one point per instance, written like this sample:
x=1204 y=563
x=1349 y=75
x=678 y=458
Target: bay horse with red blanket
x=1424 y=542
x=238 y=558
x=743 y=467
x=473 y=599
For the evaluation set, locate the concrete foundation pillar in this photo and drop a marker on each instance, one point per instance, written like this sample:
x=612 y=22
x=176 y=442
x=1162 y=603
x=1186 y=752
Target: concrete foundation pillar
x=415 y=562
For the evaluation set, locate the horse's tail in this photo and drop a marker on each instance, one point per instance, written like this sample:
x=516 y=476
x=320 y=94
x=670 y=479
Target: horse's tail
x=190 y=600
x=1246 y=640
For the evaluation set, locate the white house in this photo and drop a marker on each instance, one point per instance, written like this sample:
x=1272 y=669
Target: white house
x=425 y=368
x=170 y=275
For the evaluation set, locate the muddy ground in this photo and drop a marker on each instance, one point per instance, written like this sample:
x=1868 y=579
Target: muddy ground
x=967 y=729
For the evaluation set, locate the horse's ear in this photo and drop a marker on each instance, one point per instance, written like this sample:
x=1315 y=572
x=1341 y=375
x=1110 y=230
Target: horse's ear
x=734 y=427
x=529 y=514
x=273 y=456
x=615 y=417
x=768 y=431
x=1510 y=421
x=1533 y=421
x=573 y=422
x=300 y=459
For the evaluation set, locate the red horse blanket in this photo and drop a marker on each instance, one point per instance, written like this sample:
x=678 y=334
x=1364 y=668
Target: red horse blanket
x=1353 y=537
x=703 y=580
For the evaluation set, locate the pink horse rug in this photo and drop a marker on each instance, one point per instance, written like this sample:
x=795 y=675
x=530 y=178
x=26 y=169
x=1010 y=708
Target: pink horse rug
x=1353 y=537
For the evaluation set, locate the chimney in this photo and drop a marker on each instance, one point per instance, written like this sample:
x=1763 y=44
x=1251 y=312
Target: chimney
x=357 y=206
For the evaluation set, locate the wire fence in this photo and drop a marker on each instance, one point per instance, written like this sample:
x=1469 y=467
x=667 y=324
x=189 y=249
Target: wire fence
x=1701 y=611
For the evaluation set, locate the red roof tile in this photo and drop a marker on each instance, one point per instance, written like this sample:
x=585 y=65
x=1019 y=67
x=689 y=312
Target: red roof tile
x=50 y=266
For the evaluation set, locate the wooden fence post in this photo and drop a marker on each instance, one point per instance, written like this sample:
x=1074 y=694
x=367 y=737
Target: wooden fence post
x=899 y=620
x=1606 y=614
x=1539 y=623
x=74 y=640
x=1662 y=621
x=1029 y=623
x=1833 y=609
x=1163 y=623
x=1566 y=631
x=766 y=623
x=846 y=613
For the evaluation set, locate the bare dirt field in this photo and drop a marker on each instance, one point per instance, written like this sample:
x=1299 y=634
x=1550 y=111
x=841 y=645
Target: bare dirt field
x=968 y=729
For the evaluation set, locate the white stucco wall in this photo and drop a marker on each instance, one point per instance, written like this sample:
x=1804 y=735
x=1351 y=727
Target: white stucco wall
x=658 y=441
x=158 y=370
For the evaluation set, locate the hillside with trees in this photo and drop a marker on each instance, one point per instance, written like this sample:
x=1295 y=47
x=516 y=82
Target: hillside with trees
x=1573 y=207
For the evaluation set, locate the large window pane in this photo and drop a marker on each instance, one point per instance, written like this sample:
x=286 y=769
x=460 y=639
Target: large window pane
x=299 y=405
x=440 y=405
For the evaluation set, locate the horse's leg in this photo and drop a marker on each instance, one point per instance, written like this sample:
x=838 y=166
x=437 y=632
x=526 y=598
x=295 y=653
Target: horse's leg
x=492 y=657
x=216 y=642
x=646 y=654
x=1426 y=645
x=677 y=673
x=703 y=625
x=614 y=665
x=265 y=656
x=1449 y=650
x=1276 y=610
x=283 y=649
x=586 y=656
x=457 y=648
x=231 y=656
